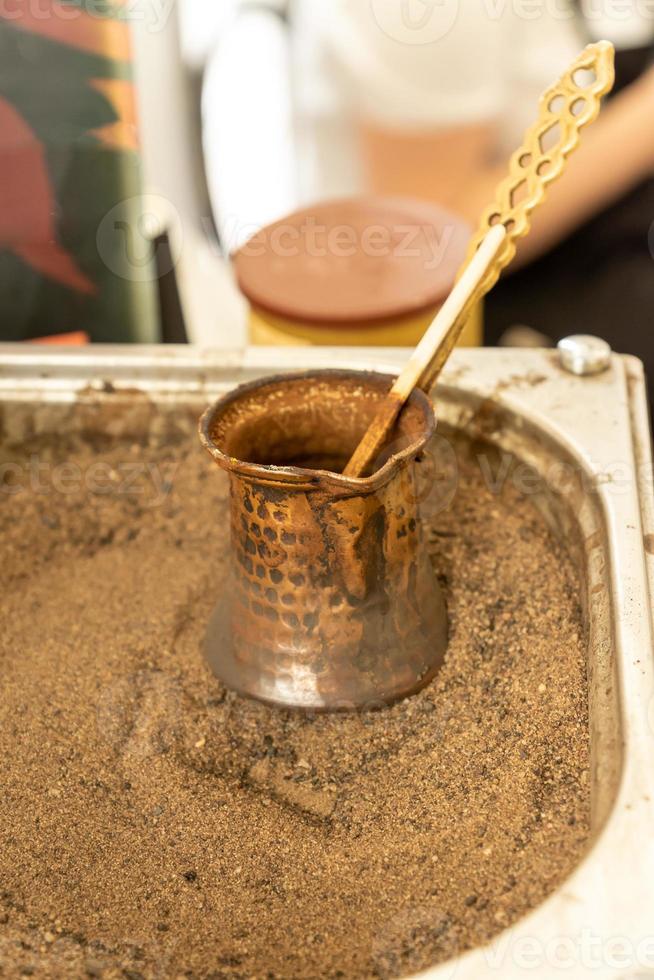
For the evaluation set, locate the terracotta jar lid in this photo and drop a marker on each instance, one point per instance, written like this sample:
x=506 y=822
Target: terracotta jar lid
x=354 y=260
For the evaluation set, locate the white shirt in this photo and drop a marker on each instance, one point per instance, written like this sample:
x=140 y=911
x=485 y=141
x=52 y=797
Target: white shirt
x=426 y=64
x=404 y=64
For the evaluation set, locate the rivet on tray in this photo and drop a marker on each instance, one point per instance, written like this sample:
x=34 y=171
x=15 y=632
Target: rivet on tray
x=584 y=354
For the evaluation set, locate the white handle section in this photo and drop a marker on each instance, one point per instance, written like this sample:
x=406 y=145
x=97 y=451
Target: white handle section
x=449 y=312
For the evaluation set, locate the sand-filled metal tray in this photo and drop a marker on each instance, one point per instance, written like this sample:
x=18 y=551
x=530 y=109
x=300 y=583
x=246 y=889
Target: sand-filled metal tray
x=579 y=448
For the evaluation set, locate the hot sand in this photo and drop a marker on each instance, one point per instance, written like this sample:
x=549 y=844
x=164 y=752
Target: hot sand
x=153 y=825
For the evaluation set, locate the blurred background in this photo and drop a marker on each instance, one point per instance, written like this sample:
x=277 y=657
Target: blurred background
x=294 y=171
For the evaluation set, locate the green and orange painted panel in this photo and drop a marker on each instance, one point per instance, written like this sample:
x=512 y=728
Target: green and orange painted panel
x=68 y=158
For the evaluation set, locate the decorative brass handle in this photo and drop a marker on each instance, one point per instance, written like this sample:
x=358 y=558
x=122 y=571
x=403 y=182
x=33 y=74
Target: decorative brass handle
x=565 y=108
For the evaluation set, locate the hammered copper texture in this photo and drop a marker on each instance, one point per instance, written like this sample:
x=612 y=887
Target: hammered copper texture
x=331 y=601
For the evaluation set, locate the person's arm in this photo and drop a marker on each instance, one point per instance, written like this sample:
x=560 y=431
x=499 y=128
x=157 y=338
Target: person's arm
x=455 y=166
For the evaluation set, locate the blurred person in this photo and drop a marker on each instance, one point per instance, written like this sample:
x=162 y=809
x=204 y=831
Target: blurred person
x=443 y=91
x=428 y=98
